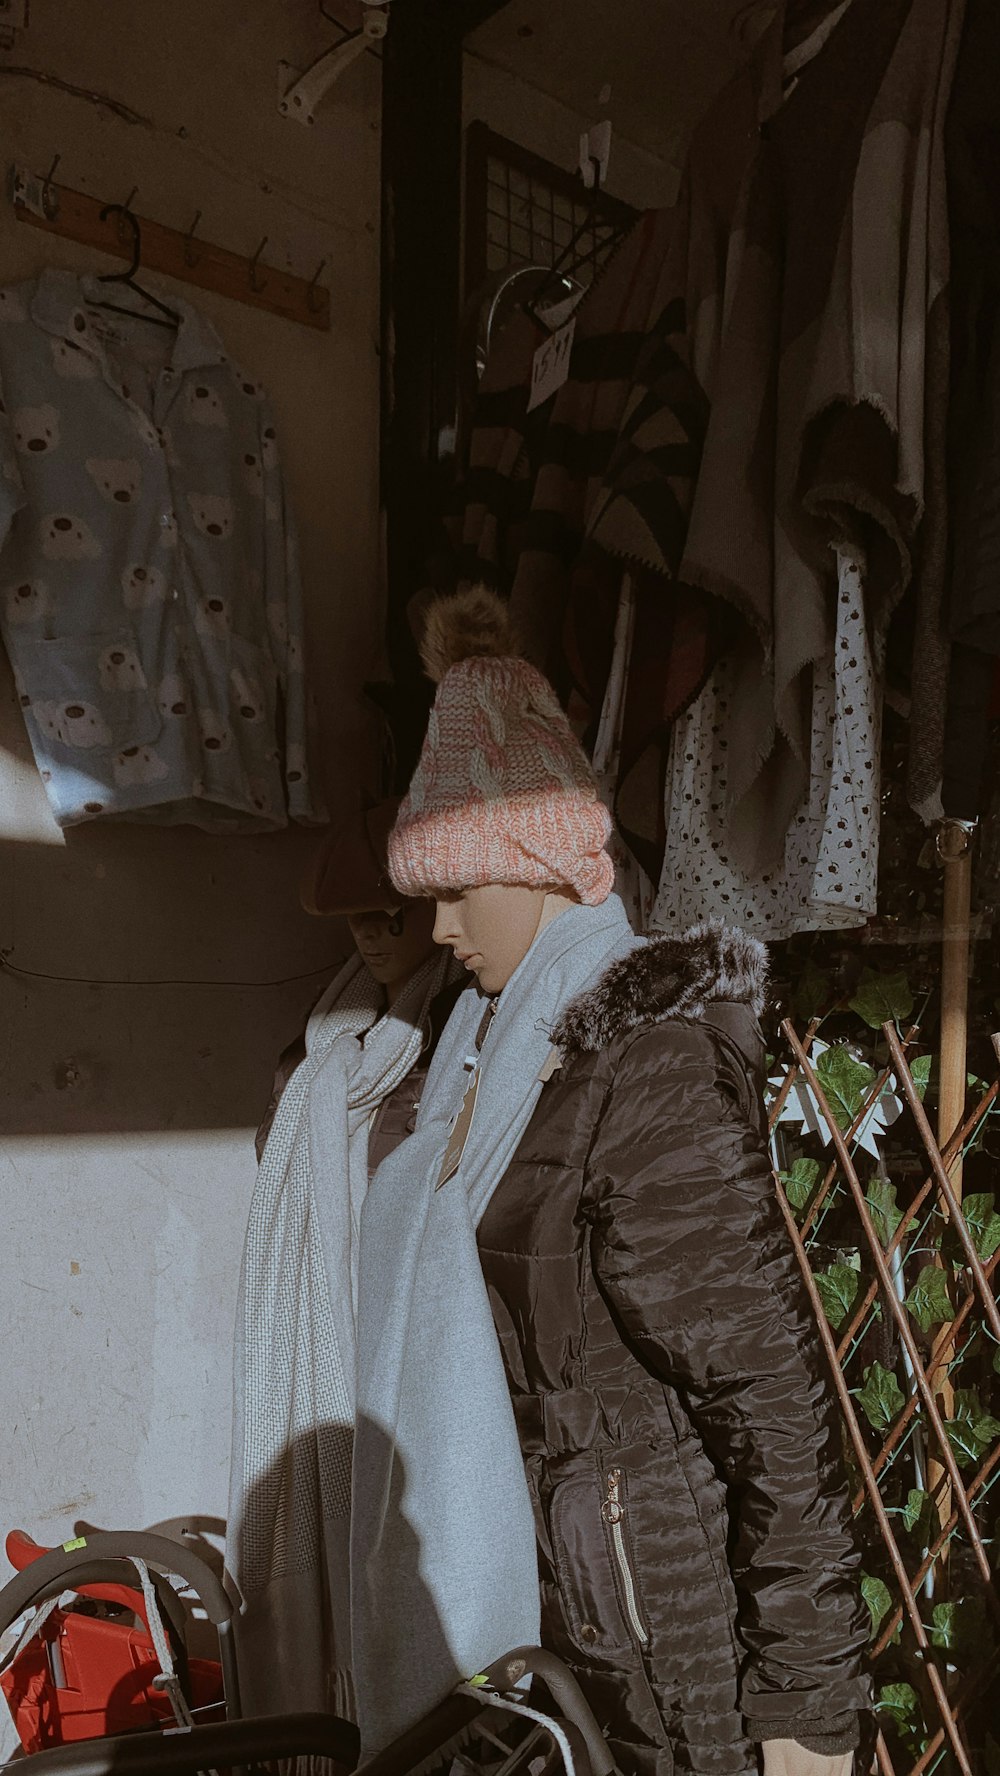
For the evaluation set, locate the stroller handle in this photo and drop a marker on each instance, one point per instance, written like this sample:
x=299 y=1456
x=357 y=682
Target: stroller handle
x=56 y=1571
x=182 y=1753
x=565 y=1692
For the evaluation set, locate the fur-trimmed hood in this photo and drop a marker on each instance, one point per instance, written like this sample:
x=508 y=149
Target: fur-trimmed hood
x=668 y=977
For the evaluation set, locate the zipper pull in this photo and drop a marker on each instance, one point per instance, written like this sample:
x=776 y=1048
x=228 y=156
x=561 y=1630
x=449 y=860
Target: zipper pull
x=611 y=1509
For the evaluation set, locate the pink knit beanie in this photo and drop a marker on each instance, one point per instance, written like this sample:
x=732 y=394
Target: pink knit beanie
x=503 y=791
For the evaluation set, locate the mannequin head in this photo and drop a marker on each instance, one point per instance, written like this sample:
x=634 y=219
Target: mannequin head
x=491 y=929
x=394 y=944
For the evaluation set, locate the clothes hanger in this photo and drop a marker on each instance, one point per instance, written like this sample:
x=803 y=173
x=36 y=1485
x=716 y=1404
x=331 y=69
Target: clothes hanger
x=128 y=278
x=561 y=280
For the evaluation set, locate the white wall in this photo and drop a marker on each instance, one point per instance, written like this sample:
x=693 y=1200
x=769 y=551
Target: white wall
x=128 y=1111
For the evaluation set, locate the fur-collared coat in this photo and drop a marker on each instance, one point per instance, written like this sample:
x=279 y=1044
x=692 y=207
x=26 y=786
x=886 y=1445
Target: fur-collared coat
x=674 y=1407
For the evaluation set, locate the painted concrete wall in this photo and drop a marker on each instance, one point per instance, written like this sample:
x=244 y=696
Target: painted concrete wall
x=127 y=1113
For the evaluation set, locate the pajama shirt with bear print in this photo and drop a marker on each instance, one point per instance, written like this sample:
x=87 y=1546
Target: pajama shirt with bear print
x=149 y=593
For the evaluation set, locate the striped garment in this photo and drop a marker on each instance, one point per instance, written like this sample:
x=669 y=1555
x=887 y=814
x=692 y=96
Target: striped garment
x=555 y=504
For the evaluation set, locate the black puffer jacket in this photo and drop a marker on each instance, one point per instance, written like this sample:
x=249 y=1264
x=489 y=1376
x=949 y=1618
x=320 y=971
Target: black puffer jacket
x=674 y=1407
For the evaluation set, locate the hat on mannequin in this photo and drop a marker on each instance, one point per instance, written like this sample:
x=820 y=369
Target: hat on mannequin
x=350 y=874
x=503 y=792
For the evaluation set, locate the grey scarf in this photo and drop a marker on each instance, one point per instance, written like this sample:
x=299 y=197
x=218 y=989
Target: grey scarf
x=293 y=1396
x=444 y=1574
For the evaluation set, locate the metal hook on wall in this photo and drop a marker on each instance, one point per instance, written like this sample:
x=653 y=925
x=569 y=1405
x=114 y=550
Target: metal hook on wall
x=128 y=227
x=50 y=202
x=190 y=256
x=311 y=290
x=128 y=230
x=256 y=284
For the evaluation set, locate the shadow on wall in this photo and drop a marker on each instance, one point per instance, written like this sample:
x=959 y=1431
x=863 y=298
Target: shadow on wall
x=93 y=1047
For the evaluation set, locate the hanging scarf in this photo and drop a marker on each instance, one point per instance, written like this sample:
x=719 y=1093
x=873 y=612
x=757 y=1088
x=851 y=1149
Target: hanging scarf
x=293 y=1408
x=444 y=1575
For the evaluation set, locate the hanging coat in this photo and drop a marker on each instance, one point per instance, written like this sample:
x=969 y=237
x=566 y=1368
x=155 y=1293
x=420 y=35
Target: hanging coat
x=676 y=1416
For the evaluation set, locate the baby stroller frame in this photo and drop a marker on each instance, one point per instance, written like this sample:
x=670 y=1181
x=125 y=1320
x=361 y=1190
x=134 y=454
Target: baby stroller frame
x=237 y=1743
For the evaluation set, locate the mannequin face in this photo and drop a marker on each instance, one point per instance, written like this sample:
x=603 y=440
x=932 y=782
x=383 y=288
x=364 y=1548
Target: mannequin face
x=491 y=929
x=394 y=944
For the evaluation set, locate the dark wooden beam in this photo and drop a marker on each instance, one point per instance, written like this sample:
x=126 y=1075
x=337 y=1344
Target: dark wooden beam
x=476 y=12
x=421 y=226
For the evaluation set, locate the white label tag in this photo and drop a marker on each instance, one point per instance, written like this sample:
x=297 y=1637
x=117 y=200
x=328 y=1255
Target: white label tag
x=550 y=364
x=28 y=192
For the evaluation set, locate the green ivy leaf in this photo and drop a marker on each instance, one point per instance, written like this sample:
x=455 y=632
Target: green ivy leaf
x=881 y=1199
x=900 y=1702
x=880 y=1399
x=944 y=1631
x=928 y=1300
x=972 y=1430
x=983 y=1223
x=846 y=1082
x=812 y=992
x=920 y=1071
x=882 y=998
x=960 y=1626
x=878 y=1597
x=838 y=1288
x=801 y=1181
x=920 y=1515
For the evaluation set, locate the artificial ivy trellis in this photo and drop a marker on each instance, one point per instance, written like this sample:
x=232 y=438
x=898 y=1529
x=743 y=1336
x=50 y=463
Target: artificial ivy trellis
x=902 y=1282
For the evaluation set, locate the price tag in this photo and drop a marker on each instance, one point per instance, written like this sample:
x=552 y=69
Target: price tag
x=28 y=193
x=550 y=365
x=595 y=152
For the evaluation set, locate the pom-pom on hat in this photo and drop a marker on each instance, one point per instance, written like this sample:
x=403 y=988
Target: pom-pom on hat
x=503 y=791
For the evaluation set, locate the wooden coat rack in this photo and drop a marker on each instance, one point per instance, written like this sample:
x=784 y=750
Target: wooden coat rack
x=73 y=214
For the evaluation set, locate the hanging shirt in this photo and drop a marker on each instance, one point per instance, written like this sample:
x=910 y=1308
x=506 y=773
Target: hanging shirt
x=828 y=877
x=149 y=593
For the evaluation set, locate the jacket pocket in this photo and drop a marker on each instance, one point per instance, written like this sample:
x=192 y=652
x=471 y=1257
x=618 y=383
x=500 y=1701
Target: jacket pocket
x=594 y=1567
x=613 y=1513
x=86 y=693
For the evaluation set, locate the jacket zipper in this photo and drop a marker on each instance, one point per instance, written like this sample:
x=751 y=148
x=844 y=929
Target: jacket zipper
x=613 y=1512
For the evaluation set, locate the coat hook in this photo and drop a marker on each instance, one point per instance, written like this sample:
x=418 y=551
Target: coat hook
x=123 y=213
x=312 y=305
x=190 y=256
x=254 y=285
x=50 y=203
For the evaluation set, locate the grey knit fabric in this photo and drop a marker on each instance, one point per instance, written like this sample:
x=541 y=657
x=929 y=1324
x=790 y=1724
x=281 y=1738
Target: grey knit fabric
x=293 y=1429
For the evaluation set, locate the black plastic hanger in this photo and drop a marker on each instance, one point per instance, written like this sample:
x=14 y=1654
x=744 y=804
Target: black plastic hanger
x=128 y=278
